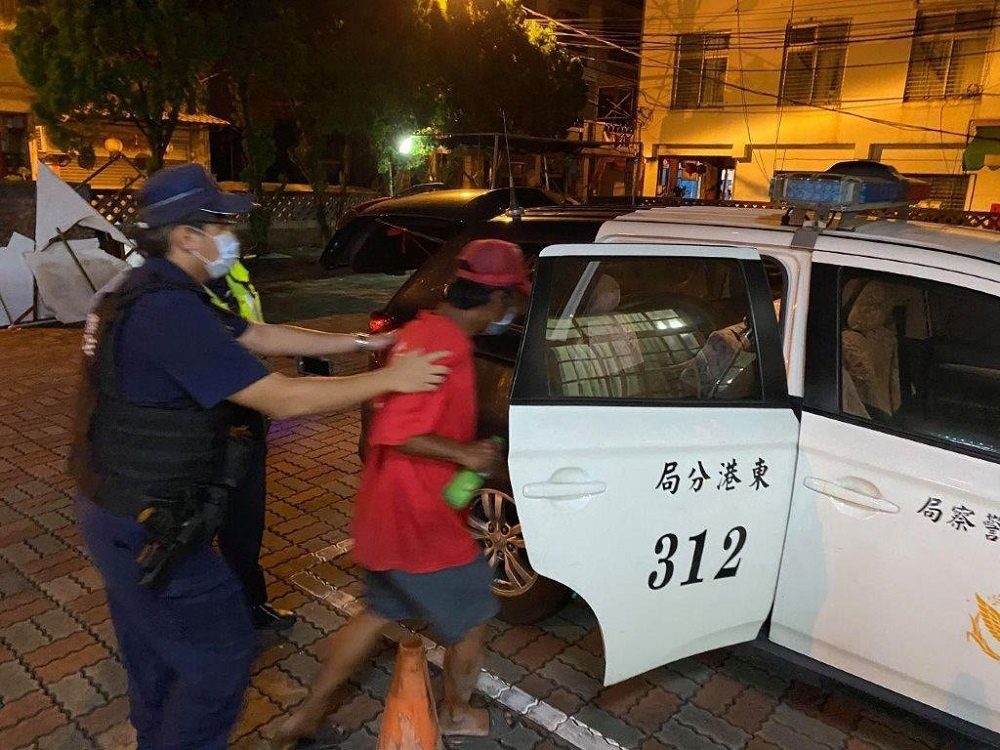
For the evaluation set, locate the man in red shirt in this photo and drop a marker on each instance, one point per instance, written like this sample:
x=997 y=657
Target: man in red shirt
x=419 y=559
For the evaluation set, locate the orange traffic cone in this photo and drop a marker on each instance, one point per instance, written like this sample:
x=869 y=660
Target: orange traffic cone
x=410 y=721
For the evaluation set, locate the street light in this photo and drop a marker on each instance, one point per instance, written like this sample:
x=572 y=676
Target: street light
x=405 y=145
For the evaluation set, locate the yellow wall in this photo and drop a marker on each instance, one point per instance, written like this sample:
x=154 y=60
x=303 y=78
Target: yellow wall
x=188 y=144
x=763 y=137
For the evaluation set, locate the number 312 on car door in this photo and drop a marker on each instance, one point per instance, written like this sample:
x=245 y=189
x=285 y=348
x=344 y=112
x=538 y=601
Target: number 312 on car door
x=668 y=548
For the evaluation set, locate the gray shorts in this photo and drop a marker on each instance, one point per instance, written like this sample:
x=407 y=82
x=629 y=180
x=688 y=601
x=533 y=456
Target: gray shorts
x=452 y=601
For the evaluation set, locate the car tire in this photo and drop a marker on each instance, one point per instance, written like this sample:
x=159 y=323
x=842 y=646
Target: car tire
x=525 y=597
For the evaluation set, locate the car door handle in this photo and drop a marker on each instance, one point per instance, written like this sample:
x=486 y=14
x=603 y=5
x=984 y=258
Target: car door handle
x=563 y=490
x=850 y=496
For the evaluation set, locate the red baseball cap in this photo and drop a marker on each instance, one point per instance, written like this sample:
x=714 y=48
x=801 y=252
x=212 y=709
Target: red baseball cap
x=496 y=263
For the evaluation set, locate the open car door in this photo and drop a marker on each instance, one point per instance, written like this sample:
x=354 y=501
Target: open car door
x=652 y=443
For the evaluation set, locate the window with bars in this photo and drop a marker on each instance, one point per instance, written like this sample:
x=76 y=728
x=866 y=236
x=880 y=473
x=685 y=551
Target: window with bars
x=813 y=68
x=948 y=54
x=947 y=190
x=700 y=75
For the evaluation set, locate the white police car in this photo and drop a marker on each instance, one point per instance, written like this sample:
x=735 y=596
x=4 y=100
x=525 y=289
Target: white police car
x=695 y=465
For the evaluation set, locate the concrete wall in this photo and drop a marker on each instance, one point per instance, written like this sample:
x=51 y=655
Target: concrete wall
x=764 y=137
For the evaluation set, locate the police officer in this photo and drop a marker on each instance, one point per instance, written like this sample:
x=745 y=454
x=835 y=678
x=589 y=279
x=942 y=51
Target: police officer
x=243 y=528
x=153 y=448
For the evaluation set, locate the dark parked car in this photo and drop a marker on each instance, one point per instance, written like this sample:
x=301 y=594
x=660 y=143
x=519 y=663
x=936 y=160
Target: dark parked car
x=399 y=234
x=525 y=597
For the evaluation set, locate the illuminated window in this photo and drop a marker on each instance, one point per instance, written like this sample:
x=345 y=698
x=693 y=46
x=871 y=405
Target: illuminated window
x=700 y=76
x=813 y=71
x=948 y=54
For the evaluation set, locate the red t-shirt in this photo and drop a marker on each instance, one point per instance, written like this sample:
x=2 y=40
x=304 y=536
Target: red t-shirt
x=401 y=519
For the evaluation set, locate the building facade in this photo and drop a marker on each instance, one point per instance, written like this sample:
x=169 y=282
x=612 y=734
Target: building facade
x=740 y=91
x=23 y=143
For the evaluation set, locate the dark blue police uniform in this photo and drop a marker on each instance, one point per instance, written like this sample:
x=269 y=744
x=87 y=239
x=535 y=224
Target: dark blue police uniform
x=187 y=646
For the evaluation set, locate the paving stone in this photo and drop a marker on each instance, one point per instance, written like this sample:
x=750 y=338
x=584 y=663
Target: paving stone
x=786 y=738
x=609 y=726
x=24 y=637
x=673 y=682
x=374 y=681
x=519 y=737
x=540 y=651
x=708 y=724
x=506 y=669
x=884 y=737
x=76 y=695
x=653 y=710
x=718 y=693
x=321 y=616
x=64 y=589
x=100 y=720
x=15 y=681
x=354 y=713
x=108 y=675
x=257 y=711
x=18 y=554
x=23 y=708
x=572 y=679
x=66 y=737
x=75 y=662
x=302 y=634
x=677 y=736
x=280 y=687
x=24 y=734
x=753 y=676
x=90 y=579
x=12 y=582
x=119 y=737
x=808 y=726
x=57 y=624
x=47 y=544
x=750 y=710
x=301 y=666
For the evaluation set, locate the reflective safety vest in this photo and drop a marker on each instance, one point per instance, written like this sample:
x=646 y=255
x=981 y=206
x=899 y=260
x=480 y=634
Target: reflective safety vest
x=242 y=292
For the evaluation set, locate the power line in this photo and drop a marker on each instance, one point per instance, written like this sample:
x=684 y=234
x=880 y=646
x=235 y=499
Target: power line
x=769 y=95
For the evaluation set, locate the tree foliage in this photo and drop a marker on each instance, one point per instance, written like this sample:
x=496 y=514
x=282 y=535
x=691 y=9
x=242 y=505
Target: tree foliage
x=492 y=58
x=142 y=61
x=360 y=70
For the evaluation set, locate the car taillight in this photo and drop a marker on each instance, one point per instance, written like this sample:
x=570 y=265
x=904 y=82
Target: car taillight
x=380 y=322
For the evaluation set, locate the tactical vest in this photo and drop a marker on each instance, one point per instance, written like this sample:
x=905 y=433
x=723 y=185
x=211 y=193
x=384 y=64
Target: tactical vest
x=124 y=452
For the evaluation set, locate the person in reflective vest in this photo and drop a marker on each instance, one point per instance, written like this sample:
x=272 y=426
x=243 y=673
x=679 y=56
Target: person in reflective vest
x=243 y=527
x=234 y=293
x=154 y=455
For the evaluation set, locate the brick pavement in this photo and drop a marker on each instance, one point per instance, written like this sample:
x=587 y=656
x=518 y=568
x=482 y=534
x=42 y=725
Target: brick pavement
x=62 y=686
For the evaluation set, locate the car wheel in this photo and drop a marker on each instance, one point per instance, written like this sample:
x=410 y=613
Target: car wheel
x=525 y=597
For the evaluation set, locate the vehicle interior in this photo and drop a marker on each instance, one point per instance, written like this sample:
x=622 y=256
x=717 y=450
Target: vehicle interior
x=922 y=358
x=619 y=329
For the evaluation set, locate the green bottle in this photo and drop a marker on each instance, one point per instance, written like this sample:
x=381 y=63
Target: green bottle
x=458 y=493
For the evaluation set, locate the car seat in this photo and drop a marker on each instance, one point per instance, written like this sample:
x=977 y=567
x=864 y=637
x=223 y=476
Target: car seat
x=870 y=350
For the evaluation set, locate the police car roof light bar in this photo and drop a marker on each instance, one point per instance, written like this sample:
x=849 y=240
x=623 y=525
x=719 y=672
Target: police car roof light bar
x=848 y=189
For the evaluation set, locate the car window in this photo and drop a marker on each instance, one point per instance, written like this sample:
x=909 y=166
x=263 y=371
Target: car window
x=922 y=358
x=660 y=329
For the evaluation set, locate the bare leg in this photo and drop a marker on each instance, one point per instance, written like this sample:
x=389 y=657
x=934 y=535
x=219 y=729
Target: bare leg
x=348 y=648
x=462 y=664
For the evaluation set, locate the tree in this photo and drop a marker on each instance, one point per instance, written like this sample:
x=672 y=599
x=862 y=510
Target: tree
x=140 y=61
x=365 y=77
x=492 y=58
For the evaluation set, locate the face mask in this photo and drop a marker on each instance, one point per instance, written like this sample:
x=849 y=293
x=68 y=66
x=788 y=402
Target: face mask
x=228 y=247
x=499 y=326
